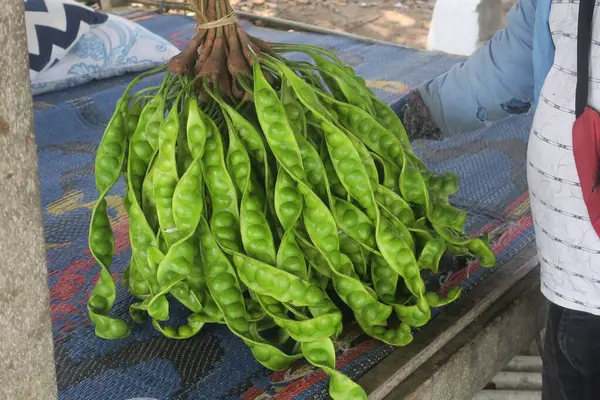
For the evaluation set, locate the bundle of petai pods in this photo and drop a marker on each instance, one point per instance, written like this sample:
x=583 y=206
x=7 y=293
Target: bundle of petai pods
x=255 y=203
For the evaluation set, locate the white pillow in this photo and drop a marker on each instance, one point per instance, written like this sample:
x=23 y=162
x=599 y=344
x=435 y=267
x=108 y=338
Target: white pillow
x=53 y=28
x=116 y=47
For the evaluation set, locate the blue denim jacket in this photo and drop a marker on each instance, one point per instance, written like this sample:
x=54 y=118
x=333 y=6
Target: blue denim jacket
x=501 y=78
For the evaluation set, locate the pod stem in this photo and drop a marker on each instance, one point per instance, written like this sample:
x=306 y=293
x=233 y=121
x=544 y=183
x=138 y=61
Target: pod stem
x=220 y=50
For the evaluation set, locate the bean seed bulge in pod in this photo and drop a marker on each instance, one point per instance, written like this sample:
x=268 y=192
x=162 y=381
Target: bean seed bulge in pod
x=281 y=198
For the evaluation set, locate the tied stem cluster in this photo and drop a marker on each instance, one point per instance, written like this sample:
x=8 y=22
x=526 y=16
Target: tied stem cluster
x=220 y=50
x=263 y=193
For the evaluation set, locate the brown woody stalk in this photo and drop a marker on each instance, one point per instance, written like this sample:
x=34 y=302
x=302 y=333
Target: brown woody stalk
x=185 y=61
x=221 y=54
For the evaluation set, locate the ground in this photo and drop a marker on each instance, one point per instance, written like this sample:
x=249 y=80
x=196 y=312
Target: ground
x=404 y=22
x=401 y=21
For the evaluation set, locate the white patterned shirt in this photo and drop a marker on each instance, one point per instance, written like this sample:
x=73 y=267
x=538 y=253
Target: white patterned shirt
x=568 y=246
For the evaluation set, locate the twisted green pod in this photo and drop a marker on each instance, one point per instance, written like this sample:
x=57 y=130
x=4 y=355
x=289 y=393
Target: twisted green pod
x=257 y=214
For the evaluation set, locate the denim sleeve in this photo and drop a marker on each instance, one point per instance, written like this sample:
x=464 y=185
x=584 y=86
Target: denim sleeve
x=498 y=80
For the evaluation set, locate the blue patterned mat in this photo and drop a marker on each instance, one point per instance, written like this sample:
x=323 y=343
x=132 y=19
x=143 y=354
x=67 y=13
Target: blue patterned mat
x=215 y=364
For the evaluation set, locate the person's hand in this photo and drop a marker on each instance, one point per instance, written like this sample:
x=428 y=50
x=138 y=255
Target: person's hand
x=416 y=119
x=414 y=115
x=449 y=265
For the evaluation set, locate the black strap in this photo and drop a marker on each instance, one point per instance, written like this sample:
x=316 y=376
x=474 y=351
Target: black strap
x=584 y=42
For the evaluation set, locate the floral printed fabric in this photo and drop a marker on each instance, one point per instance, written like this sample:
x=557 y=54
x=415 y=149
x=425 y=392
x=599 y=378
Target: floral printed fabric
x=114 y=48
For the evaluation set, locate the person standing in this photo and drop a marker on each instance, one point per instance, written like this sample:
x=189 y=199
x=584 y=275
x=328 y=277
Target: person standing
x=548 y=56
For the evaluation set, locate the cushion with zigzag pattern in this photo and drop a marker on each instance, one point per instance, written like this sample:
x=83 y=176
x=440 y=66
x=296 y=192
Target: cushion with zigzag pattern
x=53 y=28
x=116 y=47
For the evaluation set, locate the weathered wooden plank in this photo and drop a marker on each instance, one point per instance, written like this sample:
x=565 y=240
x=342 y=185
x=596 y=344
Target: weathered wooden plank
x=468 y=362
x=396 y=367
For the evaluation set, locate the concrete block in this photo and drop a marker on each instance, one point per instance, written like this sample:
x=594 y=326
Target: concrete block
x=518 y=380
x=461 y=26
x=508 y=395
x=524 y=364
